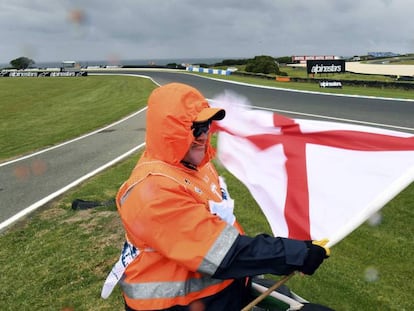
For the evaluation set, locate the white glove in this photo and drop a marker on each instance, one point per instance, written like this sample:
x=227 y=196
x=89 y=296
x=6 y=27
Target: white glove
x=225 y=208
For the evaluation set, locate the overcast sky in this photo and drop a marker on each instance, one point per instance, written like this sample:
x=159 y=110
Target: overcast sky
x=82 y=30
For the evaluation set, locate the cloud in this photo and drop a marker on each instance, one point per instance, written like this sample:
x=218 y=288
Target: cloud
x=52 y=30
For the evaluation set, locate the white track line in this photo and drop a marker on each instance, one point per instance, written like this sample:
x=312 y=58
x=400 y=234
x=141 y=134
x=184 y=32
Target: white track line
x=70 y=141
x=51 y=196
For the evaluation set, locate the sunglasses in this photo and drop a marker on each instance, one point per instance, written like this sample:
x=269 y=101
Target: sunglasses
x=200 y=128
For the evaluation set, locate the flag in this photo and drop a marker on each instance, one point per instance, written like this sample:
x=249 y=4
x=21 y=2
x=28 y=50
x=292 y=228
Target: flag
x=312 y=179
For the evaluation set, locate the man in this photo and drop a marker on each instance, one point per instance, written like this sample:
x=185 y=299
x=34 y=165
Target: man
x=188 y=251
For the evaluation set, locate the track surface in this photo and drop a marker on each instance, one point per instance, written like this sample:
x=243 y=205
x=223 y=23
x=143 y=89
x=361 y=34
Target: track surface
x=28 y=183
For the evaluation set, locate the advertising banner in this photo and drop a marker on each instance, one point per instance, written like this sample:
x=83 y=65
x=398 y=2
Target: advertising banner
x=15 y=73
x=325 y=66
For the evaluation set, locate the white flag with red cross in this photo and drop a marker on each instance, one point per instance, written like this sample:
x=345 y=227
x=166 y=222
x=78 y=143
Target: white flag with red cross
x=312 y=179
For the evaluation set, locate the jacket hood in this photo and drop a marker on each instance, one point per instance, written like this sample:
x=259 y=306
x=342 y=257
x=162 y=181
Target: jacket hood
x=172 y=109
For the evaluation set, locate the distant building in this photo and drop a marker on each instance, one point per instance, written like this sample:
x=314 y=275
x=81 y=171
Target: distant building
x=382 y=54
x=70 y=65
x=303 y=58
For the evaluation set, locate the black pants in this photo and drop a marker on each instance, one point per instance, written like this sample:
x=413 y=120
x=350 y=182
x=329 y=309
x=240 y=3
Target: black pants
x=232 y=298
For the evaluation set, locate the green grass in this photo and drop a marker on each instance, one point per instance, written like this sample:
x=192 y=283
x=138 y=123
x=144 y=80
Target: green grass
x=300 y=72
x=314 y=87
x=67 y=254
x=57 y=258
x=39 y=112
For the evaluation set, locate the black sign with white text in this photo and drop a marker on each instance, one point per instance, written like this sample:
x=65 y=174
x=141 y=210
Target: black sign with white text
x=334 y=84
x=325 y=66
x=15 y=73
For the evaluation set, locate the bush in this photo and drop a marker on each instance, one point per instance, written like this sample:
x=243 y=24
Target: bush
x=284 y=60
x=22 y=63
x=262 y=64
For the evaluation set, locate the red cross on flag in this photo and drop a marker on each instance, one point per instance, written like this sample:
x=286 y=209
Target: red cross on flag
x=312 y=179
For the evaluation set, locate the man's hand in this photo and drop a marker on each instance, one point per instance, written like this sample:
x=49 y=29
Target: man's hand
x=224 y=210
x=323 y=244
x=317 y=253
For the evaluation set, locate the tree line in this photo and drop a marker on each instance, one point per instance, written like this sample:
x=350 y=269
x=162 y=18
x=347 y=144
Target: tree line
x=259 y=64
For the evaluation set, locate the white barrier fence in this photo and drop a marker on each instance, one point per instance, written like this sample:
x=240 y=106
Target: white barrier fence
x=209 y=70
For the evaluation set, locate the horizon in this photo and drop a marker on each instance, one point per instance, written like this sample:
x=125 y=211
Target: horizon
x=165 y=61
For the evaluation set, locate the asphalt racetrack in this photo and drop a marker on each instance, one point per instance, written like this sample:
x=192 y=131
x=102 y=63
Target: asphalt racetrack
x=29 y=182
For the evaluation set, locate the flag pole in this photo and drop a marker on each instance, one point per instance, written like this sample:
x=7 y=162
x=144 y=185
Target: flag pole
x=267 y=292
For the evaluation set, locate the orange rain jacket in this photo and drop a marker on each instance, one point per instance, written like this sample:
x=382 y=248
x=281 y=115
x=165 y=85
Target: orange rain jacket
x=164 y=209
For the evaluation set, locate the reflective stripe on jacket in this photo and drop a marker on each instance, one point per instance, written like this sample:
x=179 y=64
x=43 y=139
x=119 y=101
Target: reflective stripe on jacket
x=165 y=208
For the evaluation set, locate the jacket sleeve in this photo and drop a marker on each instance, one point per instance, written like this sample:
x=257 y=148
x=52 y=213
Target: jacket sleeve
x=250 y=256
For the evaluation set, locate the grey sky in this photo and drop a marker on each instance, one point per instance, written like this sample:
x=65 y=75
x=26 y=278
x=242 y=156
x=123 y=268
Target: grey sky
x=55 y=30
